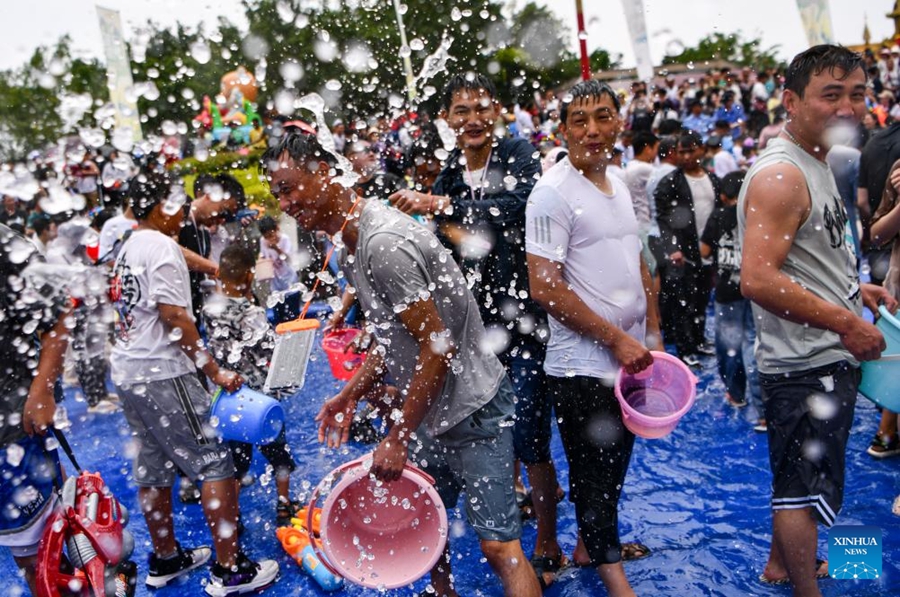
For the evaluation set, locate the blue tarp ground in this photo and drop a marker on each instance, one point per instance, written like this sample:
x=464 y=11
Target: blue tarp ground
x=698 y=498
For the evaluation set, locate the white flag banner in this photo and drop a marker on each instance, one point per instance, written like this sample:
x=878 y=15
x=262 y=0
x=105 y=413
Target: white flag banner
x=118 y=73
x=637 y=27
x=816 y=18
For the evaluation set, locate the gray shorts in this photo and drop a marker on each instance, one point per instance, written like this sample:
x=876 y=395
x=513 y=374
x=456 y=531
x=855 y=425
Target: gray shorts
x=169 y=420
x=476 y=457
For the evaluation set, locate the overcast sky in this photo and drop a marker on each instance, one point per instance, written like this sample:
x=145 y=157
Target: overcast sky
x=28 y=24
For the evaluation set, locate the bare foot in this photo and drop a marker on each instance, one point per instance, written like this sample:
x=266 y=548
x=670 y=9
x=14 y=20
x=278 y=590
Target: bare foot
x=580 y=555
x=771 y=575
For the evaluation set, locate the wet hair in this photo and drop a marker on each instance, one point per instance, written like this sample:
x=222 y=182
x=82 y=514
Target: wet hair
x=732 y=183
x=690 y=138
x=40 y=224
x=202 y=181
x=470 y=82
x=101 y=217
x=667 y=146
x=818 y=59
x=587 y=89
x=147 y=190
x=234 y=263
x=231 y=188
x=300 y=146
x=424 y=148
x=669 y=126
x=267 y=224
x=642 y=140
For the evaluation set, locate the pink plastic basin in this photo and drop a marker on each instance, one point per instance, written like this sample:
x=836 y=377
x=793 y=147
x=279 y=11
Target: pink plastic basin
x=654 y=400
x=382 y=535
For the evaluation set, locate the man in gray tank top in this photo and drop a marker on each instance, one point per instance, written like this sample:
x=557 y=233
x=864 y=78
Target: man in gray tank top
x=799 y=269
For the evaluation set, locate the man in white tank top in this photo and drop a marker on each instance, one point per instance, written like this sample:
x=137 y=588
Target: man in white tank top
x=799 y=269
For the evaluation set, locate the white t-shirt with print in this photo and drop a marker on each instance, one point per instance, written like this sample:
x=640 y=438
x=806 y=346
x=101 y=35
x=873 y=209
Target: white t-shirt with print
x=150 y=271
x=112 y=232
x=595 y=237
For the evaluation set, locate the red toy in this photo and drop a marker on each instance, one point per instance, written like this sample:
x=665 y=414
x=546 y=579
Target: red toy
x=89 y=523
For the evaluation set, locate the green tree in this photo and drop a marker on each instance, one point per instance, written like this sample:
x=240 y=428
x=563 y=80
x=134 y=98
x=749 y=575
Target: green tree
x=731 y=47
x=534 y=52
x=30 y=97
x=348 y=51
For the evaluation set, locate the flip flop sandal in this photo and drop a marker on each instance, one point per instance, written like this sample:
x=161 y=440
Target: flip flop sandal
x=634 y=551
x=546 y=565
x=526 y=503
x=783 y=581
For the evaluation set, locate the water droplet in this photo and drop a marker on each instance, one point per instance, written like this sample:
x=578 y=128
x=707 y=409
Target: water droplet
x=674 y=48
x=291 y=71
x=200 y=51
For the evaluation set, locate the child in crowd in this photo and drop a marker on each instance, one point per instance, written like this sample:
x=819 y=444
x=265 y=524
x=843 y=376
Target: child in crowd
x=277 y=246
x=239 y=335
x=154 y=362
x=735 y=331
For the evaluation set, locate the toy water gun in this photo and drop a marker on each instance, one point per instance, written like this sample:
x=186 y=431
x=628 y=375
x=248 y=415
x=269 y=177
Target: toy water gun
x=88 y=524
x=300 y=521
x=296 y=543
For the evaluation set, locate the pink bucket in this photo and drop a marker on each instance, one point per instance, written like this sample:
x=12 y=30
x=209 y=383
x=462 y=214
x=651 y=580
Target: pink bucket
x=380 y=535
x=654 y=400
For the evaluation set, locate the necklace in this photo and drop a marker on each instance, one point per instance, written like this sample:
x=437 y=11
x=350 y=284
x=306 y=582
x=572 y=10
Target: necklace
x=484 y=172
x=792 y=138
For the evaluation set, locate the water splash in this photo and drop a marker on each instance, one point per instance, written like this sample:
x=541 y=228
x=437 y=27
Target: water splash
x=315 y=104
x=72 y=108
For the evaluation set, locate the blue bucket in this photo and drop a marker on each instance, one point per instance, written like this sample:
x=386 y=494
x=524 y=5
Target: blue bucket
x=880 y=378
x=246 y=416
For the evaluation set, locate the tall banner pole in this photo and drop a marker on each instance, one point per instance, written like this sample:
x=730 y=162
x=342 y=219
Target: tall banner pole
x=118 y=73
x=637 y=28
x=407 y=63
x=816 y=18
x=582 y=43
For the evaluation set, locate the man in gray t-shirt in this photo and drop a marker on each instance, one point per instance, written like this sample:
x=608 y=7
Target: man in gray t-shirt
x=799 y=269
x=395 y=266
x=457 y=406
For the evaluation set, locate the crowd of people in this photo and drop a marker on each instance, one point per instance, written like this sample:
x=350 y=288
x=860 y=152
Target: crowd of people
x=503 y=282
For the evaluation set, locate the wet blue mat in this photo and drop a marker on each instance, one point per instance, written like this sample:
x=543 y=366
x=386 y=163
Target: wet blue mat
x=698 y=498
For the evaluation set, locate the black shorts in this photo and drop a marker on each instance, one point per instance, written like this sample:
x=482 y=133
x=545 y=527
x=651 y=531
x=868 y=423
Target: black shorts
x=809 y=415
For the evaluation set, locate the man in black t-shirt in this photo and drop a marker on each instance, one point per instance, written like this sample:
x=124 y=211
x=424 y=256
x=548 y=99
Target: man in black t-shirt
x=735 y=331
x=216 y=200
x=876 y=160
